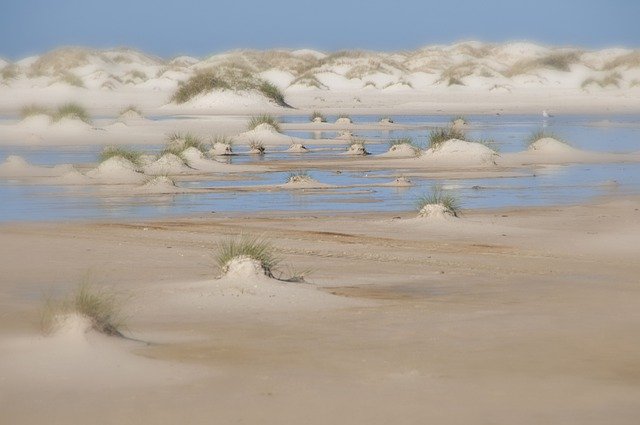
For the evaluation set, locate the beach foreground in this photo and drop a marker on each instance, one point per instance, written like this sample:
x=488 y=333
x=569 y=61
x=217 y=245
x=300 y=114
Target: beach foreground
x=524 y=316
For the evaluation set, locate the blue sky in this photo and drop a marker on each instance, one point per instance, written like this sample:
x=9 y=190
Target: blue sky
x=169 y=28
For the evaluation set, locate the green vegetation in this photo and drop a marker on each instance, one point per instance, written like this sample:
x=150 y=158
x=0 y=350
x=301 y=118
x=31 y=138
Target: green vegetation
x=439 y=197
x=99 y=306
x=612 y=79
x=33 y=109
x=405 y=141
x=316 y=115
x=440 y=135
x=542 y=134
x=256 y=146
x=9 y=72
x=231 y=78
x=246 y=247
x=118 y=151
x=557 y=61
x=71 y=110
x=264 y=119
x=72 y=79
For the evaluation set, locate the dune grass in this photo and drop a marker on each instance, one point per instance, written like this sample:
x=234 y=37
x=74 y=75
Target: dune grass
x=201 y=82
x=454 y=81
x=101 y=307
x=223 y=140
x=33 y=109
x=71 y=110
x=386 y=118
x=257 y=249
x=440 y=135
x=612 y=79
x=72 y=79
x=317 y=114
x=438 y=196
x=299 y=176
x=122 y=152
x=256 y=146
x=9 y=72
x=405 y=141
x=542 y=134
x=343 y=115
x=272 y=92
x=356 y=142
x=178 y=142
x=459 y=118
x=264 y=119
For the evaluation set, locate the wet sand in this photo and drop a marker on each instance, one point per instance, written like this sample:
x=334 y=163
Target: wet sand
x=521 y=316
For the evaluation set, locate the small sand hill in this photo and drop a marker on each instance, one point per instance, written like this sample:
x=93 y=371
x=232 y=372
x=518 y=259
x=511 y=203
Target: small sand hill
x=304 y=182
x=72 y=177
x=220 y=149
x=130 y=116
x=116 y=170
x=317 y=120
x=551 y=146
x=70 y=125
x=344 y=121
x=402 y=150
x=159 y=185
x=76 y=358
x=356 y=149
x=267 y=134
x=459 y=152
x=435 y=212
x=16 y=166
x=385 y=121
x=35 y=122
x=297 y=148
x=167 y=164
x=228 y=100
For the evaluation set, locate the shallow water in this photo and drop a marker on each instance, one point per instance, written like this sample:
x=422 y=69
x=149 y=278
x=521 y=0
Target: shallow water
x=546 y=186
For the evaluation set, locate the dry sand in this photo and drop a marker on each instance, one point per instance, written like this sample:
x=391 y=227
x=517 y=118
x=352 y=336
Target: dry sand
x=521 y=316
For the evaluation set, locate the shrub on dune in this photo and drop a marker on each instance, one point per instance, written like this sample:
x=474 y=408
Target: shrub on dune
x=317 y=117
x=245 y=247
x=72 y=79
x=32 y=110
x=438 y=197
x=71 y=110
x=100 y=307
x=264 y=119
x=121 y=152
x=201 y=82
x=440 y=135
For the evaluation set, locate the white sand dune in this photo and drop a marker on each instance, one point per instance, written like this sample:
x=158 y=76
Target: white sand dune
x=167 y=164
x=459 y=152
x=16 y=166
x=403 y=150
x=116 y=170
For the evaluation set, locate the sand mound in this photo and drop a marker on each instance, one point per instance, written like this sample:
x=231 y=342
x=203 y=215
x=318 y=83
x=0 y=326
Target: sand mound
x=130 y=115
x=435 y=212
x=356 y=149
x=39 y=121
x=167 y=164
x=265 y=133
x=160 y=185
x=343 y=121
x=219 y=149
x=401 y=182
x=386 y=121
x=549 y=145
x=16 y=166
x=116 y=170
x=317 y=120
x=297 y=148
x=456 y=151
x=244 y=268
x=70 y=125
x=401 y=150
x=72 y=177
x=71 y=326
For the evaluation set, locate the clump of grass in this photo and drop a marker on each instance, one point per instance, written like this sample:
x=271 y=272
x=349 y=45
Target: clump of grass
x=405 y=141
x=298 y=177
x=223 y=140
x=316 y=115
x=201 y=82
x=118 y=151
x=295 y=275
x=72 y=79
x=71 y=110
x=254 y=248
x=343 y=115
x=32 y=110
x=440 y=135
x=192 y=141
x=256 y=146
x=178 y=142
x=264 y=119
x=272 y=92
x=459 y=118
x=356 y=142
x=9 y=72
x=131 y=108
x=612 y=79
x=387 y=119
x=454 y=81
x=439 y=197
x=541 y=134
x=102 y=308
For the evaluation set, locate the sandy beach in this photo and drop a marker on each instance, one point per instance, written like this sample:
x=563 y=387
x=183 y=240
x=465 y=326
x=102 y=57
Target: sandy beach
x=453 y=234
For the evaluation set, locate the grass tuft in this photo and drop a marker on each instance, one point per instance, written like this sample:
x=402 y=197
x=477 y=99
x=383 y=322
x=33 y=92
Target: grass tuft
x=256 y=146
x=264 y=119
x=541 y=134
x=440 y=135
x=118 y=151
x=131 y=108
x=72 y=79
x=272 y=92
x=439 y=197
x=317 y=114
x=71 y=110
x=33 y=109
x=99 y=306
x=254 y=248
